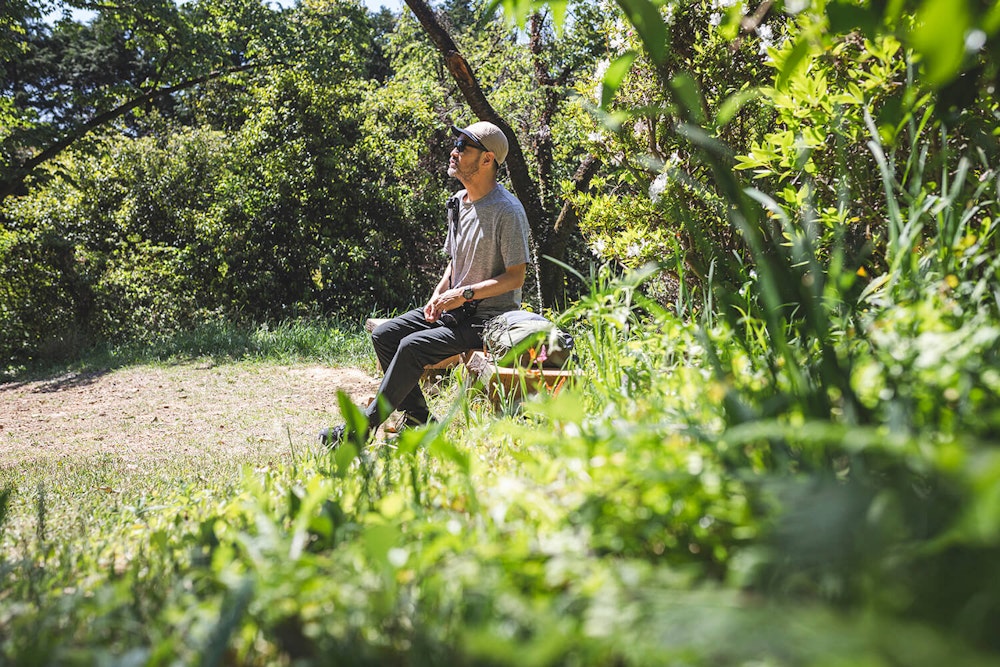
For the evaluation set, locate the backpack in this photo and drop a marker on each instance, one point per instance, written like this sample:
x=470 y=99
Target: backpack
x=522 y=338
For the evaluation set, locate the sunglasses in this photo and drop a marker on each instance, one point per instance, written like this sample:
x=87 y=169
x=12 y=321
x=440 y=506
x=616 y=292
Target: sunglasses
x=464 y=142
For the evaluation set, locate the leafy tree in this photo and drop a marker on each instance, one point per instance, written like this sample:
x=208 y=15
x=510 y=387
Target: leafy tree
x=702 y=79
x=270 y=207
x=71 y=78
x=551 y=68
x=654 y=201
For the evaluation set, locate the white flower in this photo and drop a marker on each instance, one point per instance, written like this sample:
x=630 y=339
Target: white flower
x=598 y=248
x=668 y=14
x=602 y=68
x=633 y=250
x=657 y=187
x=715 y=19
x=975 y=41
x=766 y=34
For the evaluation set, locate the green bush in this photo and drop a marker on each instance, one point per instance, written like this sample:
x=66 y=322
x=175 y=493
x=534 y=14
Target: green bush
x=154 y=237
x=45 y=283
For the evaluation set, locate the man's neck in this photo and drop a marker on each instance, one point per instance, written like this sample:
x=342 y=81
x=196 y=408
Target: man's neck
x=476 y=189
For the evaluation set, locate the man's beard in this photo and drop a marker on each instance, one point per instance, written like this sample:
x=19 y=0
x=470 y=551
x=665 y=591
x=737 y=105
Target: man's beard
x=460 y=174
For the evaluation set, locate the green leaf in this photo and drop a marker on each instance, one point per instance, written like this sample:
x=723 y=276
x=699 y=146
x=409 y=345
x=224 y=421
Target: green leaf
x=559 y=8
x=939 y=37
x=688 y=97
x=845 y=18
x=699 y=137
x=357 y=422
x=378 y=539
x=446 y=449
x=991 y=21
x=614 y=76
x=517 y=10
x=343 y=456
x=231 y=615
x=798 y=53
x=732 y=104
x=646 y=19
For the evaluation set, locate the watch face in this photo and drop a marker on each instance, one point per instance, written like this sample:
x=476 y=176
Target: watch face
x=468 y=293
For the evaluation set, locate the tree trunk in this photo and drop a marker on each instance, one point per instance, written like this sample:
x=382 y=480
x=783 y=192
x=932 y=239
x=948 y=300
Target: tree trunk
x=525 y=187
x=551 y=276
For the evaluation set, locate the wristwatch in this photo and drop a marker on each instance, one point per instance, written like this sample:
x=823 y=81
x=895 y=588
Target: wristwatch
x=469 y=294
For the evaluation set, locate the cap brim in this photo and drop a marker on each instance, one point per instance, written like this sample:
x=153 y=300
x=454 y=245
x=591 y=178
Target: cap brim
x=457 y=130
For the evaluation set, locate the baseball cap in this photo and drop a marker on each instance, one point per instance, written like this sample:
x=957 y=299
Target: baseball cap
x=486 y=134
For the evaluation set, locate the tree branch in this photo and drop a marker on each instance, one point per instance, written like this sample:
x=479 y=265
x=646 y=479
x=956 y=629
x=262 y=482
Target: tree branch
x=525 y=188
x=21 y=172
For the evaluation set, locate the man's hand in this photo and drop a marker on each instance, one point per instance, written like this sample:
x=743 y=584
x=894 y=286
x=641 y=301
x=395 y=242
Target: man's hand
x=430 y=313
x=447 y=300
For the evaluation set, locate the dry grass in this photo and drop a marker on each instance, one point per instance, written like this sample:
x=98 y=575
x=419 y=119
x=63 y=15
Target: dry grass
x=145 y=414
x=89 y=446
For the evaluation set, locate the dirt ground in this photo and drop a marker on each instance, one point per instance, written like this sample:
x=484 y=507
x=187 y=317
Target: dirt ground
x=149 y=413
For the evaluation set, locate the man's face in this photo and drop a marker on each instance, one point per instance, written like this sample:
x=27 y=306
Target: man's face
x=464 y=161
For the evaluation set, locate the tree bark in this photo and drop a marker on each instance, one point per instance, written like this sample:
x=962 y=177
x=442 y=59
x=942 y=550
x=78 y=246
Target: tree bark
x=524 y=186
x=552 y=277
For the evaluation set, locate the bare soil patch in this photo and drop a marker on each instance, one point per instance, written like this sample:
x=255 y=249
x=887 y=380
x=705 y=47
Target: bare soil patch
x=150 y=413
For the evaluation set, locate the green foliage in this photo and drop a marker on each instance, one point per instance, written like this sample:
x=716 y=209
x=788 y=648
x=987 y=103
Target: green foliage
x=303 y=188
x=616 y=521
x=937 y=30
x=803 y=474
x=797 y=350
x=656 y=177
x=286 y=215
x=643 y=240
x=67 y=77
x=39 y=285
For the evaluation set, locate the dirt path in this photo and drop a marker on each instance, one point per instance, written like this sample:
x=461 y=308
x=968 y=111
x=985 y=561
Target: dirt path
x=147 y=413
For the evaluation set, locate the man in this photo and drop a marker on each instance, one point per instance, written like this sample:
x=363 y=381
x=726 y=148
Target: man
x=487 y=244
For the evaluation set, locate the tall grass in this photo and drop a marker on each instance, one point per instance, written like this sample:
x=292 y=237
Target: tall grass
x=806 y=476
x=631 y=519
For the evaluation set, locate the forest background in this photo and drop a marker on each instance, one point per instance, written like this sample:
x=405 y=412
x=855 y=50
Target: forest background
x=772 y=227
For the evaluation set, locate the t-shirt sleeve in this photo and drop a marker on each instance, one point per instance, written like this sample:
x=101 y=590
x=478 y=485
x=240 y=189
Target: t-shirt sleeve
x=514 y=237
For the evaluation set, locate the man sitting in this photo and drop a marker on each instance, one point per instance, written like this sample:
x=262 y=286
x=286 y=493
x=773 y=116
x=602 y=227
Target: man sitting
x=487 y=244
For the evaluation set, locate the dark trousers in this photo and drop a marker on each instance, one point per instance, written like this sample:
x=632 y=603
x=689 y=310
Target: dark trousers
x=404 y=345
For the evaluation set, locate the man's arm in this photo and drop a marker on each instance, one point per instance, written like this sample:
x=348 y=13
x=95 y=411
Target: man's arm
x=431 y=310
x=446 y=298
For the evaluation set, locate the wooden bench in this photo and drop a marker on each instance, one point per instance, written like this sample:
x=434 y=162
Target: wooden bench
x=503 y=384
x=500 y=383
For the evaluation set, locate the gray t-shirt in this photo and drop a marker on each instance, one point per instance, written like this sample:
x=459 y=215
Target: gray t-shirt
x=485 y=238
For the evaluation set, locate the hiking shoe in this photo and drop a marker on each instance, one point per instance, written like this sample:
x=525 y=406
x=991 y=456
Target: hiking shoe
x=408 y=420
x=333 y=437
